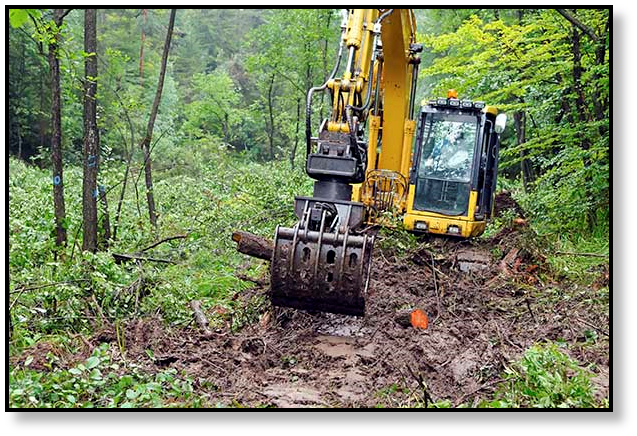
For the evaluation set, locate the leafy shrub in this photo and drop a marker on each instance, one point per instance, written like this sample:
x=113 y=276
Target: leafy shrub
x=98 y=382
x=545 y=377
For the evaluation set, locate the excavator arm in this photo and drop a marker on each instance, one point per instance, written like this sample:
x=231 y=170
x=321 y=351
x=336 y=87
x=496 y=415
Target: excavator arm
x=323 y=262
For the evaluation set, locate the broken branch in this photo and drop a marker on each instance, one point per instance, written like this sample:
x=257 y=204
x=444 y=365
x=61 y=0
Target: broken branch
x=155 y=244
x=570 y=253
x=244 y=277
x=253 y=245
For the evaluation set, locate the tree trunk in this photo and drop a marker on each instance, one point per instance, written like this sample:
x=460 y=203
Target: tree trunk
x=326 y=72
x=41 y=118
x=145 y=145
x=21 y=88
x=600 y=105
x=121 y=194
x=91 y=135
x=296 y=132
x=580 y=100
x=56 y=135
x=129 y=160
x=581 y=116
x=141 y=48
x=19 y=140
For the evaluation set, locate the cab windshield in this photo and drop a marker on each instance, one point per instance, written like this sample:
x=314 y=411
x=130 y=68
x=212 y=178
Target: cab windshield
x=447 y=148
x=444 y=168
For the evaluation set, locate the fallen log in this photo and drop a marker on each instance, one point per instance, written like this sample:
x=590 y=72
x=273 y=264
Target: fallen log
x=507 y=262
x=253 y=245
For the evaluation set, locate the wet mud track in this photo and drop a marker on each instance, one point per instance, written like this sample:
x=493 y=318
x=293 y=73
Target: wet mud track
x=486 y=300
x=480 y=318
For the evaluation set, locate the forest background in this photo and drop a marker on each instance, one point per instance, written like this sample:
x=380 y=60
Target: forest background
x=224 y=146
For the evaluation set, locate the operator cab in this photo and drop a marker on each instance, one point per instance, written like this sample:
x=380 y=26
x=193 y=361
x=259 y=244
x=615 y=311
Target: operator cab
x=454 y=169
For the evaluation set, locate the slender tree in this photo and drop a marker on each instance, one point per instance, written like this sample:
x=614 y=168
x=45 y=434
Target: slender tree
x=56 y=130
x=145 y=145
x=91 y=135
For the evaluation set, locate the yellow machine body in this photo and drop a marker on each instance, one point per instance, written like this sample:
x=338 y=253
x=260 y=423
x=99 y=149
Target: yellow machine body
x=441 y=224
x=378 y=155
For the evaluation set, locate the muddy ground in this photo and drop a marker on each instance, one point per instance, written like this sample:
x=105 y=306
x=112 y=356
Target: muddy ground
x=487 y=301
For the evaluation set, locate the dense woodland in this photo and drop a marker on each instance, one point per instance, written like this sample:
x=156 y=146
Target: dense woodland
x=129 y=127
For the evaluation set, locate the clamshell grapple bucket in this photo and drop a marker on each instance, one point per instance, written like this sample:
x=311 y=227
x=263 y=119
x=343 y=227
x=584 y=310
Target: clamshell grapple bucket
x=321 y=264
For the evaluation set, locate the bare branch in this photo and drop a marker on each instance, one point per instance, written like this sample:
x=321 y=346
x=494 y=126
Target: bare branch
x=170 y=238
x=64 y=14
x=577 y=23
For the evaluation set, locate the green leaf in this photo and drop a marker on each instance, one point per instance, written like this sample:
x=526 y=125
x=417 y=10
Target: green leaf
x=17 y=17
x=70 y=398
x=28 y=361
x=92 y=362
x=131 y=394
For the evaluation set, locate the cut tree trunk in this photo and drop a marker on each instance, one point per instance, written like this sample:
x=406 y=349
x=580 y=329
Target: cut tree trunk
x=253 y=245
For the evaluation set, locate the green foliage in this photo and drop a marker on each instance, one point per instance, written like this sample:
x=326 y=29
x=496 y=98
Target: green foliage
x=285 y=62
x=215 y=111
x=18 y=17
x=221 y=195
x=581 y=269
x=545 y=377
x=98 y=383
x=525 y=64
x=393 y=237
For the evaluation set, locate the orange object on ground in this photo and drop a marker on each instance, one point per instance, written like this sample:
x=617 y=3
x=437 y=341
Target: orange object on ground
x=419 y=319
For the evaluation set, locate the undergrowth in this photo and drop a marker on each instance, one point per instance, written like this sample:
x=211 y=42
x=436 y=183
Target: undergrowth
x=99 y=382
x=545 y=377
x=228 y=195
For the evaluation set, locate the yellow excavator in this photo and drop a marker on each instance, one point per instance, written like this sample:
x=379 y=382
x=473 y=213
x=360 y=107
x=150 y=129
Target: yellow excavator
x=375 y=156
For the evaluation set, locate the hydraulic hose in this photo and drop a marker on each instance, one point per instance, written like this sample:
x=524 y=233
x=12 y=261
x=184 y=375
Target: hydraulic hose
x=372 y=59
x=369 y=84
x=383 y=16
x=308 y=104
